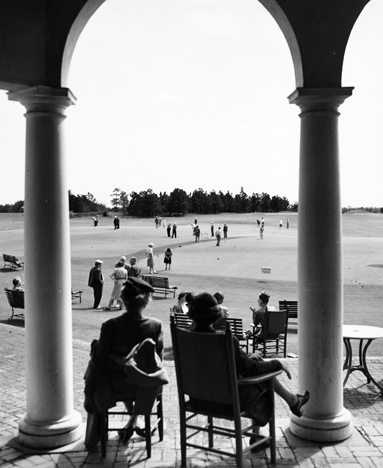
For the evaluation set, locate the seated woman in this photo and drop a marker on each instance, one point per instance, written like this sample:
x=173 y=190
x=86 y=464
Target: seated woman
x=181 y=307
x=205 y=311
x=118 y=336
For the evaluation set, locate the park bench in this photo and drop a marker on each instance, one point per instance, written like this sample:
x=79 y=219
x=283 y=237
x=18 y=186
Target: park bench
x=77 y=295
x=292 y=308
x=12 y=261
x=160 y=284
x=16 y=301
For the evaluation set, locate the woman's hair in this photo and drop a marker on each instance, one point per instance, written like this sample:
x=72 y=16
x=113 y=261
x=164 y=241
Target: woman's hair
x=16 y=281
x=120 y=264
x=203 y=308
x=264 y=297
x=136 y=294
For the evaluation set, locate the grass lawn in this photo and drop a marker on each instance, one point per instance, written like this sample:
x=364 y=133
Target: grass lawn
x=234 y=268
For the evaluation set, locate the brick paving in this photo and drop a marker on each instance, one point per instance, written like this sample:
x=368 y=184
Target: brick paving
x=363 y=449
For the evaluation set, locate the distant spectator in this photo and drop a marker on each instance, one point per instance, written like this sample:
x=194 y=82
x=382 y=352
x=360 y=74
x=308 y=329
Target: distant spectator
x=150 y=257
x=96 y=281
x=174 y=232
x=119 y=276
x=168 y=258
x=168 y=229
x=212 y=229
x=197 y=233
x=134 y=269
x=218 y=236
x=116 y=222
x=287 y=223
x=280 y=224
x=225 y=229
x=95 y=220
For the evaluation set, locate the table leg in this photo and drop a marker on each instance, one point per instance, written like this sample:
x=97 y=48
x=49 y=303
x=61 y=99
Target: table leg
x=348 y=361
x=366 y=371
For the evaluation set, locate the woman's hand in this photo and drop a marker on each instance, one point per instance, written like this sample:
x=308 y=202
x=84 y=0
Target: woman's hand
x=286 y=369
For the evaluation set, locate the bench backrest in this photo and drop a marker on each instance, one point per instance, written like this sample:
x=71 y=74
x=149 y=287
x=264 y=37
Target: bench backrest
x=291 y=306
x=156 y=281
x=9 y=258
x=15 y=298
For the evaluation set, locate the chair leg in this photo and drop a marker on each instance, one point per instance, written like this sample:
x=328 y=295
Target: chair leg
x=148 y=436
x=103 y=432
x=238 y=444
x=160 y=417
x=210 y=431
x=272 y=427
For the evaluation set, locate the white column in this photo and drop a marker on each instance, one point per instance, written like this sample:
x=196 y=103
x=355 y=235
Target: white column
x=320 y=281
x=50 y=420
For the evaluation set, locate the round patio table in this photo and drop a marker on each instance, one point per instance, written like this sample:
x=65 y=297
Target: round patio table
x=361 y=333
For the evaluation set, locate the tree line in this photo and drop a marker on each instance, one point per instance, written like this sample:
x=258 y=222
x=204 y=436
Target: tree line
x=148 y=204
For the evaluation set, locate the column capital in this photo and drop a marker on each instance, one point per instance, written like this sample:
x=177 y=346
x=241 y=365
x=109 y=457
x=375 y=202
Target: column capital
x=317 y=99
x=44 y=98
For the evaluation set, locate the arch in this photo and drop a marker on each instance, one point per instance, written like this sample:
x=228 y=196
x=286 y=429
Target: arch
x=90 y=7
x=317 y=34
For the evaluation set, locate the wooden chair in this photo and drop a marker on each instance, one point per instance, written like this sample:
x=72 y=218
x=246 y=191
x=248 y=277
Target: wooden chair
x=273 y=338
x=236 y=326
x=292 y=308
x=205 y=370
x=119 y=411
x=181 y=320
x=16 y=299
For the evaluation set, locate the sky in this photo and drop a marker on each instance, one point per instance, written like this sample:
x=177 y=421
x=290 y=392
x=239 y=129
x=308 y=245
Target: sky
x=193 y=94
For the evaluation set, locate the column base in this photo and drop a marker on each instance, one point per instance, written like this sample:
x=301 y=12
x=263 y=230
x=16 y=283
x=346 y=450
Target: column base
x=333 y=429
x=50 y=436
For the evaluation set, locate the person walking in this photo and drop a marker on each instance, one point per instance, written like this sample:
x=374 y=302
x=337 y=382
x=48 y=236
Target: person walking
x=169 y=228
x=96 y=281
x=218 y=236
x=116 y=222
x=261 y=230
x=168 y=258
x=174 y=233
x=212 y=229
x=287 y=223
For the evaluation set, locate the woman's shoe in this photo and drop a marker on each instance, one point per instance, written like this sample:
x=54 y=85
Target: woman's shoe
x=142 y=433
x=259 y=447
x=302 y=400
x=126 y=433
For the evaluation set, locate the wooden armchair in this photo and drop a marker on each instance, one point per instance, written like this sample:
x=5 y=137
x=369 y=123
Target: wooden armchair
x=205 y=370
x=16 y=299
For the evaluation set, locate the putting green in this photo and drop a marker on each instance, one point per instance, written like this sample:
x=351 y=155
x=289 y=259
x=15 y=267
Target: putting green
x=241 y=267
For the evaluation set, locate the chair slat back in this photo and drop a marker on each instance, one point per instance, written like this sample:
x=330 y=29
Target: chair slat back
x=202 y=364
x=15 y=298
x=181 y=320
x=275 y=322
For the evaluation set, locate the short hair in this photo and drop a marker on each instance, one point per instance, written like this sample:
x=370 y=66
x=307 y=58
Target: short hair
x=264 y=297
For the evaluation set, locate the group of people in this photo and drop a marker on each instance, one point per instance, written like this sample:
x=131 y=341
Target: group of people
x=122 y=271
x=121 y=334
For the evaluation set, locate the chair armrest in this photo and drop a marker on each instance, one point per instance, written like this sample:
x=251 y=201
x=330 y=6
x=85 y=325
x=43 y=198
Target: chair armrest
x=258 y=378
